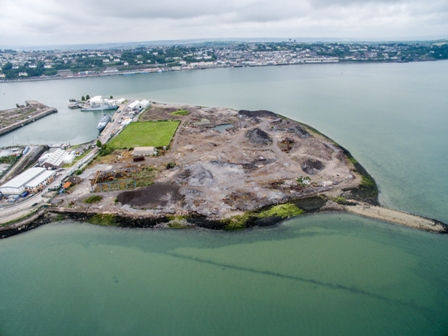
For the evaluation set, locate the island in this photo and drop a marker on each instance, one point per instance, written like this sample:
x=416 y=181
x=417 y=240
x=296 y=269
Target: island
x=184 y=166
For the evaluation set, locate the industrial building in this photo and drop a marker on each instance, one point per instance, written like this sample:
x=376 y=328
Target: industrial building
x=57 y=159
x=138 y=105
x=40 y=181
x=32 y=180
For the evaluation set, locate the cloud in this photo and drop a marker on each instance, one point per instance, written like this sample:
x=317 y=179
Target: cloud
x=95 y=21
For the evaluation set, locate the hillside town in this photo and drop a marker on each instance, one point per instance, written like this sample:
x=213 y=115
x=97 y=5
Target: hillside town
x=47 y=64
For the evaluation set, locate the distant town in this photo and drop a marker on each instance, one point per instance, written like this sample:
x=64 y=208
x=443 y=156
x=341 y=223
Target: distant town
x=48 y=64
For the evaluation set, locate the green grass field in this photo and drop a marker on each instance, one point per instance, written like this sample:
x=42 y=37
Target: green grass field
x=180 y=113
x=147 y=133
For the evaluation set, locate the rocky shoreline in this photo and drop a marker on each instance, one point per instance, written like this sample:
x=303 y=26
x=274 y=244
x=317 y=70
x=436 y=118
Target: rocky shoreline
x=311 y=205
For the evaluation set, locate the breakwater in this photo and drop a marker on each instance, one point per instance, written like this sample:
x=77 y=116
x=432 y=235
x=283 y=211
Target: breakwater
x=24 y=115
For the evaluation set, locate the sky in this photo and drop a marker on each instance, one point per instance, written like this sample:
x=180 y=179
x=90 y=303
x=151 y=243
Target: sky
x=56 y=22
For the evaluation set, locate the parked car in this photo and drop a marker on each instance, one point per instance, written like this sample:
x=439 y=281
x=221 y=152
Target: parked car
x=13 y=198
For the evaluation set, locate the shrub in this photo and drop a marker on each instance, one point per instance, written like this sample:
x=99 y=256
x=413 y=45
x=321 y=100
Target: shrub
x=93 y=199
x=170 y=165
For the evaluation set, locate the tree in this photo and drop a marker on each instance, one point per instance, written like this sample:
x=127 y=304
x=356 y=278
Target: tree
x=82 y=98
x=87 y=97
x=99 y=144
x=111 y=97
x=7 y=66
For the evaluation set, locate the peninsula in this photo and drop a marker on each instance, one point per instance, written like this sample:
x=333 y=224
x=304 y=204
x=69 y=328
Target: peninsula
x=184 y=166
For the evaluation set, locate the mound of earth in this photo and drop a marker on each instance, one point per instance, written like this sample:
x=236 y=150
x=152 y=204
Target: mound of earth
x=312 y=167
x=299 y=131
x=259 y=137
x=153 y=196
x=259 y=113
x=196 y=175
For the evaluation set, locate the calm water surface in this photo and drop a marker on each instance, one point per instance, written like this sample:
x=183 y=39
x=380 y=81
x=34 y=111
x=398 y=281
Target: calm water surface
x=316 y=275
x=392 y=117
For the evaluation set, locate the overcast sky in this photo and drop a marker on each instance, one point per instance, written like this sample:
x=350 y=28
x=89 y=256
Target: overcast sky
x=45 y=22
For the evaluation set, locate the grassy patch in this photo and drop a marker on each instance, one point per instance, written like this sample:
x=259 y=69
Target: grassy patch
x=105 y=150
x=236 y=222
x=180 y=113
x=147 y=133
x=352 y=160
x=58 y=218
x=340 y=200
x=93 y=199
x=103 y=220
x=367 y=182
x=282 y=210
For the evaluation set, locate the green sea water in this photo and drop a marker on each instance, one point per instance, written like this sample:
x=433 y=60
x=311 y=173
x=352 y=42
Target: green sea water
x=332 y=274
x=315 y=275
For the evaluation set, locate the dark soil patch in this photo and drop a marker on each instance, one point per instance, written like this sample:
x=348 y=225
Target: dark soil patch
x=259 y=137
x=153 y=196
x=299 y=131
x=311 y=166
x=259 y=113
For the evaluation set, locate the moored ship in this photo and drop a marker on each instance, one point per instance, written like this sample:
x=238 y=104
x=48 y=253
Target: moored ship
x=97 y=103
x=103 y=122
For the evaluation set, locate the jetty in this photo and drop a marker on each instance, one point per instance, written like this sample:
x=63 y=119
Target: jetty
x=22 y=115
x=396 y=217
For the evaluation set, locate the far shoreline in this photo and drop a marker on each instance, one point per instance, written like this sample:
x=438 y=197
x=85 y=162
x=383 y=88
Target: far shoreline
x=161 y=70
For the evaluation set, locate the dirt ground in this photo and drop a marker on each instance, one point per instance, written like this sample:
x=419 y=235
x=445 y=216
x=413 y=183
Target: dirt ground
x=262 y=159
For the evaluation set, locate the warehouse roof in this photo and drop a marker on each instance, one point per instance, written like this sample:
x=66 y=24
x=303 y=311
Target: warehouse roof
x=56 y=157
x=39 y=179
x=23 y=178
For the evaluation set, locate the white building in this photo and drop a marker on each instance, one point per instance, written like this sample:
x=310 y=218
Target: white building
x=56 y=159
x=30 y=177
x=68 y=159
x=143 y=104
x=110 y=70
x=134 y=105
x=40 y=181
x=144 y=151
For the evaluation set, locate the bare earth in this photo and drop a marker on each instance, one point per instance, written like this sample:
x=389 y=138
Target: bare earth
x=262 y=160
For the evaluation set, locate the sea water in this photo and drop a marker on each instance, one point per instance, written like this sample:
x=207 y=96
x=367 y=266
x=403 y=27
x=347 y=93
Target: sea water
x=314 y=275
x=334 y=274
